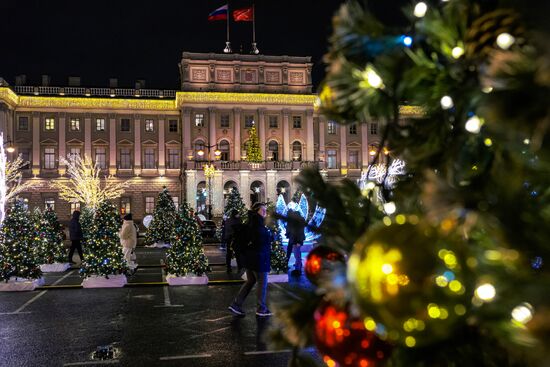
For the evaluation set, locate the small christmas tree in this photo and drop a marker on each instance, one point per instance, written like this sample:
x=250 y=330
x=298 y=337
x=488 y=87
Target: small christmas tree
x=186 y=256
x=279 y=263
x=164 y=216
x=104 y=250
x=235 y=202
x=48 y=237
x=17 y=255
x=253 y=151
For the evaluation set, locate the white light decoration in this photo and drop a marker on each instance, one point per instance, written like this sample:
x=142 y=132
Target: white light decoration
x=487 y=90
x=302 y=208
x=473 y=125
x=523 y=313
x=390 y=208
x=446 y=102
x=526 y=141
x=420 y=9
x=486 y=292
x=457 y=52
x=505 y=40
x=372 y=78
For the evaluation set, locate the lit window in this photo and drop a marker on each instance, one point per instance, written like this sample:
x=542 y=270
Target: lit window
x=73 y=152
x=331 y=128
x=125 y=161
x=199 y=145
x=149 y=126
x=273 y=122
x=49 y=204
x=173 y=126
x=173 y=158
x=353 y=129
x=248 y=121
x=353 y=159
x=23 y=124
x=176 y=201
x=224 y=149
x=149 y=158
x=49 y=158
x=149 y=204
x=74 y=207
x=224 y=121
x=101 y=157
x=331 y=159
x=125 y=125
x=100 y=124
x=75 y=124
x=297 y=122
x=199 y=120
x=297 y=151
x=49 y=124
x=273 y=148
x=125 y=206
x=374 y=128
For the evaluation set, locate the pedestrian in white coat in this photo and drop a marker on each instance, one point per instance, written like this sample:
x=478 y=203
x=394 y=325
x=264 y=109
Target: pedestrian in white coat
x=128 y=240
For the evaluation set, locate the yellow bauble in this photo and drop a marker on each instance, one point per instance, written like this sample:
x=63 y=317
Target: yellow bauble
x=406 y=278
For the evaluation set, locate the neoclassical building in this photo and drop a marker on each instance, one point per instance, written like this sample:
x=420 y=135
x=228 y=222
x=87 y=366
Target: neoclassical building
x=155 y=137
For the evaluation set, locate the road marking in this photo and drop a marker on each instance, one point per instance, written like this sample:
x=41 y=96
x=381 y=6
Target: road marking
x=190 y=356
x=257 y=352
x=111 y=361
x=219 y=318
x=166 y=292
x=286 y=291
x=210 y=332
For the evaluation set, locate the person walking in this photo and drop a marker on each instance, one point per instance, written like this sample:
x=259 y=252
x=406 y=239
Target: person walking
x=128 y=240
x=257 y=262
x=231 y=226
x=76 y=236
x=295 y=232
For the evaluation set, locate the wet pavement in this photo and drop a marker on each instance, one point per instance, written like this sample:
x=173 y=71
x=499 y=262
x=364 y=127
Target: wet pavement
x=146 y=322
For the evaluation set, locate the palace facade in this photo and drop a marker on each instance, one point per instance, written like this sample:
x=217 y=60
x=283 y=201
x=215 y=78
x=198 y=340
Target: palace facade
x=153 y=137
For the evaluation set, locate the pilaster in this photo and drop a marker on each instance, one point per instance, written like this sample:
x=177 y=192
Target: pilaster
x=237 y=128
x=286 y=135
x=244 y=184
x=309 y=136
x=162 y=148
x=112 y=144
x=261 y=130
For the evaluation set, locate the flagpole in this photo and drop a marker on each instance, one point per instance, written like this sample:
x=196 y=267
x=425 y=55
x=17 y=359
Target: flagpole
x=254 y=46
x=227 y=48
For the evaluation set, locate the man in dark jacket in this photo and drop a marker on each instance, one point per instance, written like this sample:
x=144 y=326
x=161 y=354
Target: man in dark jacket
x=231 y=226
x=76 y=236
x=296 y=237
x=258 y=262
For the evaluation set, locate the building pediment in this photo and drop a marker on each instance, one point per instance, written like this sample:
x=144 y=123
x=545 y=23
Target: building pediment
x=125 y=142
x=21 y=141
x=149 y=142
x=75 y=142
x=100 y=142
x=48 y=142
x=354 y=145
x=173 y=142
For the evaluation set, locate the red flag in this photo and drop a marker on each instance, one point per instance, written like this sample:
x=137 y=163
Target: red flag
x=243 y=15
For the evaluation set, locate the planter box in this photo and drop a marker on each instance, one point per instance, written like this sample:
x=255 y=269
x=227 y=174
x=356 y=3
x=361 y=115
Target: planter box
x=273 y=278
x=55 y=267
x=100 y=281
x=186 y=280
x=160 y=245
x=21 y=284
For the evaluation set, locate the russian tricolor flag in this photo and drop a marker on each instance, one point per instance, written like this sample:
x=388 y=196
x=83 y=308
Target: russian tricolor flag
x=219 y=14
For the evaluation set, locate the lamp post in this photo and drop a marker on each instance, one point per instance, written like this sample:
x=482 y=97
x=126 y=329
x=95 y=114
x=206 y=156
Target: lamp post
x=209 y=171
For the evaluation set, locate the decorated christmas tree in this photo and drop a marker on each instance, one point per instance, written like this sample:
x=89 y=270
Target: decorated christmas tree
x=186 y=256
x=279 y=263
x=104 y=256
x=48 y=237
x=253 y=151
x=17 y=255
x=235 y=202
x=451 y=270
x=164 y=216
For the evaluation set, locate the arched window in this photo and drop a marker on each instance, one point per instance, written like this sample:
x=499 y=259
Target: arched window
x=224 y=148
x=199 y=145
x=297 y=151
x=257 y=192
x=273 y=148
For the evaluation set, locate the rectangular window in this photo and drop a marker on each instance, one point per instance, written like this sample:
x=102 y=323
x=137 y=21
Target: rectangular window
x=23 y=124
x=125 y=206
x=297 y=122
x=374 y=128
x=49 y=203
x=74 y=152
x=74 y=124
x=273 y=122
x=125 y=161
x=331 y=128
x=173 y=126
x=248 y=121
x=331 y=158
x=149 y=158
x=149 y=126
x=149 y=204
x=26 y=157
x=100 y=125
x=101 y=157
x=224 y=121
x=74 y=207
x=353 y=159
x=173 y=158
x=49 y=158
x=199 y=120
x=49 y=124
x=353 y=129
x=125 y=125
x=176 y=202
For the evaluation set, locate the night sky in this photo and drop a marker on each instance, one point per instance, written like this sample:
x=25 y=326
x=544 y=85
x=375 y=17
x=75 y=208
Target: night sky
x=130 y=40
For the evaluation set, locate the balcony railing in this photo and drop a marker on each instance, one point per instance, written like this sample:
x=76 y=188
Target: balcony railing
x=260 y=166
x=96 y=92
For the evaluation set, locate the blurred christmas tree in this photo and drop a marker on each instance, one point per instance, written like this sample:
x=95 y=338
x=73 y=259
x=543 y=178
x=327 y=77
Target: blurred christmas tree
x=164 y=217
x=17 y=254
x=104 y=250
x=48 y=237
x=253 y=151
x=279 y=263
x=450 y=271
x=235 y=202
x=186 y=256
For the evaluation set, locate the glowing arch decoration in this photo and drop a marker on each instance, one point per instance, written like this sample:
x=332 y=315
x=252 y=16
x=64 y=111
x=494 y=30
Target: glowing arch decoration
x=301 y=207
x=382 y=175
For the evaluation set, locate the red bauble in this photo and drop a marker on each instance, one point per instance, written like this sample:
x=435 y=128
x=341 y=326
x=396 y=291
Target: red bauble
x=319 y=260
x=344 y=339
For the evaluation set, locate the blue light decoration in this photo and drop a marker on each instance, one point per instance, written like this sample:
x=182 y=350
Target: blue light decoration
x=407 y=40
x=301 y=207
x=537 y=263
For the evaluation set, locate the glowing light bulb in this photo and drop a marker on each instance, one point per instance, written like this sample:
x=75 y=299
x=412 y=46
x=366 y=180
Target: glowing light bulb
x=407 y=41
x=420 y=9
x=446 y=102
x=523 y=313
x=487 y=90
x=505 y=40
x=486 y=292
x=473 y=125
x=390 y=208
x=457 y=52
x=374 y=79
x=387 y=269
x=371 y=186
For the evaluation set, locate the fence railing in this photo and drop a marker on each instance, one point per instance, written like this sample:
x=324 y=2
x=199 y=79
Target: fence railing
x=95 y=92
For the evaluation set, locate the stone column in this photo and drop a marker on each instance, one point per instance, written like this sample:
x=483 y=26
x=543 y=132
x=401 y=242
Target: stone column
x=261 y=130
x=217 y=193
x=62 y=142
x=322 y=132
x=88 y=136
x=244 y=184
x=365 y=145
x=137 y=145
x=4 y=121
x=271 y=185
x=286 y=135
x=162 y=148
x=186 y=131
x=36 y=143
x=237 y=129
x=191 y=187
x=112 y=144
x=212 y=131
x=309 y=134
x=343 y=148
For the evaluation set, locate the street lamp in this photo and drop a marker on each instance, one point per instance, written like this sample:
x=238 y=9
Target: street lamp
x=209 y=172
x=10 y=148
